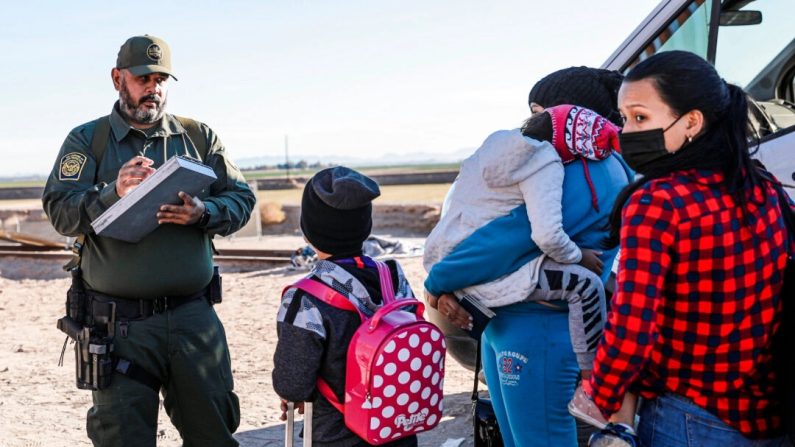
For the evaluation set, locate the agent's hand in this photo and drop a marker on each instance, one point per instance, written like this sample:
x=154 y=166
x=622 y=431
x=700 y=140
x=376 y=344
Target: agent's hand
x=452 y=310
x=299 y=406
x=591 y=261
x=186 y=214
x=132 y=173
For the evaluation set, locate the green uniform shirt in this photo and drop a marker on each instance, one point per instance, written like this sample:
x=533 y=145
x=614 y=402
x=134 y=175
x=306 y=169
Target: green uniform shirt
x=173 y=259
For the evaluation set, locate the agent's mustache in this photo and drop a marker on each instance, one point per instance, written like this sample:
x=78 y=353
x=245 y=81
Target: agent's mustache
x=153 y=97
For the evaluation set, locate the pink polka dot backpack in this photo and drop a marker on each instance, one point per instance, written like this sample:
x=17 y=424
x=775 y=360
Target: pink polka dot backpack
x=395 y=369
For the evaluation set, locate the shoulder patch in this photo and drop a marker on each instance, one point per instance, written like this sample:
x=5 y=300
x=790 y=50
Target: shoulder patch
x=71 y=166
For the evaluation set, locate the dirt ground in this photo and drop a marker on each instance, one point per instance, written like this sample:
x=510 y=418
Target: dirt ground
x=40 y=406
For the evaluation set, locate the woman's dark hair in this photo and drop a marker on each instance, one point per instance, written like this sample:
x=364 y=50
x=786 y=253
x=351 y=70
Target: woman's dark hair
x=538 y=127
x=687 y=82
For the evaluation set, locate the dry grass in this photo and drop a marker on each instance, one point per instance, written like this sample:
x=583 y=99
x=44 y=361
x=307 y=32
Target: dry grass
x=271 y=213
x=426 y=194
x=20 y=203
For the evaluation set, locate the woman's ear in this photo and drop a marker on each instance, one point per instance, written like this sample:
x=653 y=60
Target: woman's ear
x=695 y=123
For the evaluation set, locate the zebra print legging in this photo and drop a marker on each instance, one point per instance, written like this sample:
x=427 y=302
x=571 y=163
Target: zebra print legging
x=585 y=294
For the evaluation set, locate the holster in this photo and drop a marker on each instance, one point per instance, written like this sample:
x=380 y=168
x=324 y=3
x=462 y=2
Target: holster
x=92 y=333
x=214 y=290
x=91 y=320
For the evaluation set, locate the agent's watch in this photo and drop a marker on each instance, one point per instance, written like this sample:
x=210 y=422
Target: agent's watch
x=204 y=219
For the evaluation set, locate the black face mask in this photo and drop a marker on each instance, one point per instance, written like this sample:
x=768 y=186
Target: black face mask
x=642 y=149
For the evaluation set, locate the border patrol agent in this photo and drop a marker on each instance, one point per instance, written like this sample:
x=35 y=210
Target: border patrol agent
x=167 y=335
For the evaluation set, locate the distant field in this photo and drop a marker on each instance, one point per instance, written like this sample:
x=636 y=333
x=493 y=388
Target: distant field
x=274 y=173
x=389 y=194
x=369 y=170
x=21 y=184
x=20 y=203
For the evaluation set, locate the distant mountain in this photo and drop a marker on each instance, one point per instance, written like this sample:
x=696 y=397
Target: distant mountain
x=415 y=158
x=24 y=178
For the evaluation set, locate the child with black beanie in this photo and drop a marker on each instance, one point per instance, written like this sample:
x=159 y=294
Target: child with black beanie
x=336 y=218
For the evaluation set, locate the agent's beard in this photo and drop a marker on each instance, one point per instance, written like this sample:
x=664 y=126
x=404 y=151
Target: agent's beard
x=138 y=113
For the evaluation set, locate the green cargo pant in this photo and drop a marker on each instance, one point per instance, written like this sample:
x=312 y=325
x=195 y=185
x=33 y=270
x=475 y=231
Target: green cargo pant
x=186 y=350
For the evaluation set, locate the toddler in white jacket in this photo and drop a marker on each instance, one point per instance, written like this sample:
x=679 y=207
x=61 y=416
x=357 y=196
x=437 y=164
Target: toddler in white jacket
x=525 y=166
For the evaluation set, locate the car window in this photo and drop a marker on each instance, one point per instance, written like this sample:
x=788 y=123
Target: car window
x=689 y=31
x=755 y=49
x=745 y=51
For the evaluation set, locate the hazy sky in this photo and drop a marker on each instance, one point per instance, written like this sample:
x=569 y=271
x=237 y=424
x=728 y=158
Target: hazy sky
x=354 y=78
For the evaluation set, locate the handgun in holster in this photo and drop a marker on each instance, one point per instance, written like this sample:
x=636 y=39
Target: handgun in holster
x=214 y=294
x=91 y=325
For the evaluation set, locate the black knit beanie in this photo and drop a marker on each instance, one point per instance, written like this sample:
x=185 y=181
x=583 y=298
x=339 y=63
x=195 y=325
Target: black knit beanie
x=592 y=88
x=337 y=210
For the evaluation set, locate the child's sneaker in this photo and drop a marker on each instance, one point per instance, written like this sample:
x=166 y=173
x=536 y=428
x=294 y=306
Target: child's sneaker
x=582 y=407
x=614 y=435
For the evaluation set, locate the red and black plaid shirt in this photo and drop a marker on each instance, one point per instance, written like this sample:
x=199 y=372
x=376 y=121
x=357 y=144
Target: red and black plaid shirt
x=697 y=301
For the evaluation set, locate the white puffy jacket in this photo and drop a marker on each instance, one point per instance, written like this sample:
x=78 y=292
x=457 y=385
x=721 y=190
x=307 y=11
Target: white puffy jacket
x=508 y=170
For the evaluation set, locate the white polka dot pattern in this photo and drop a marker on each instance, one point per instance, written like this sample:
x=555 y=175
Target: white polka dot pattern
x=396 y=387
x=390 y=391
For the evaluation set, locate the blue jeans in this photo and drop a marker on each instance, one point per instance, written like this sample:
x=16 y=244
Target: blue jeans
x=675 y=421
x=531 y=372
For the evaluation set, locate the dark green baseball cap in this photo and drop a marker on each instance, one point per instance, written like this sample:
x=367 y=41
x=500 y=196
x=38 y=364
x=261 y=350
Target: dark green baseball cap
x=144 y=55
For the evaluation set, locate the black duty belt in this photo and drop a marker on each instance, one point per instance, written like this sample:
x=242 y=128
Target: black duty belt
x=132 y=309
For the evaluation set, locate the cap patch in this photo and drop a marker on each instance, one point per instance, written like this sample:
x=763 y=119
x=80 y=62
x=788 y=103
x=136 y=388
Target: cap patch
x=71 y=166
x=154 y=52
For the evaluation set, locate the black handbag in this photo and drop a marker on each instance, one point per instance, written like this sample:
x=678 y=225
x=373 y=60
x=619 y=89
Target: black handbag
x=784 y=339
x=487 y=431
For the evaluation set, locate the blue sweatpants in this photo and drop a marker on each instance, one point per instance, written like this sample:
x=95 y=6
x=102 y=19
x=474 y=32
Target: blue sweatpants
x=531 y=373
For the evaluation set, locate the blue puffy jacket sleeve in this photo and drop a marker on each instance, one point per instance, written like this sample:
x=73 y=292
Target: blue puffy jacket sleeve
x=505 y=244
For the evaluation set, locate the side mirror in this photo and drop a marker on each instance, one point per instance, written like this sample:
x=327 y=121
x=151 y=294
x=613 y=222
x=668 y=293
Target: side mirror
x=740 y=18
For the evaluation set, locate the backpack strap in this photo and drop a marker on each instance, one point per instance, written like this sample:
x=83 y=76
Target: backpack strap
x=100 y=139
x=325 y=293
x=385 y=278
x=98 y=142
x=102 y=131
x=195 y=134
x=325 y=389
x=328 y=295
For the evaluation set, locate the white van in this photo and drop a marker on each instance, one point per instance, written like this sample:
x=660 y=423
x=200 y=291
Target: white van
x=751 y=43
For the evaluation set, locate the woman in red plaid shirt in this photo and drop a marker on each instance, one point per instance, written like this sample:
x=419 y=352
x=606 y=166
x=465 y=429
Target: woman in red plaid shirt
x=703 y=251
